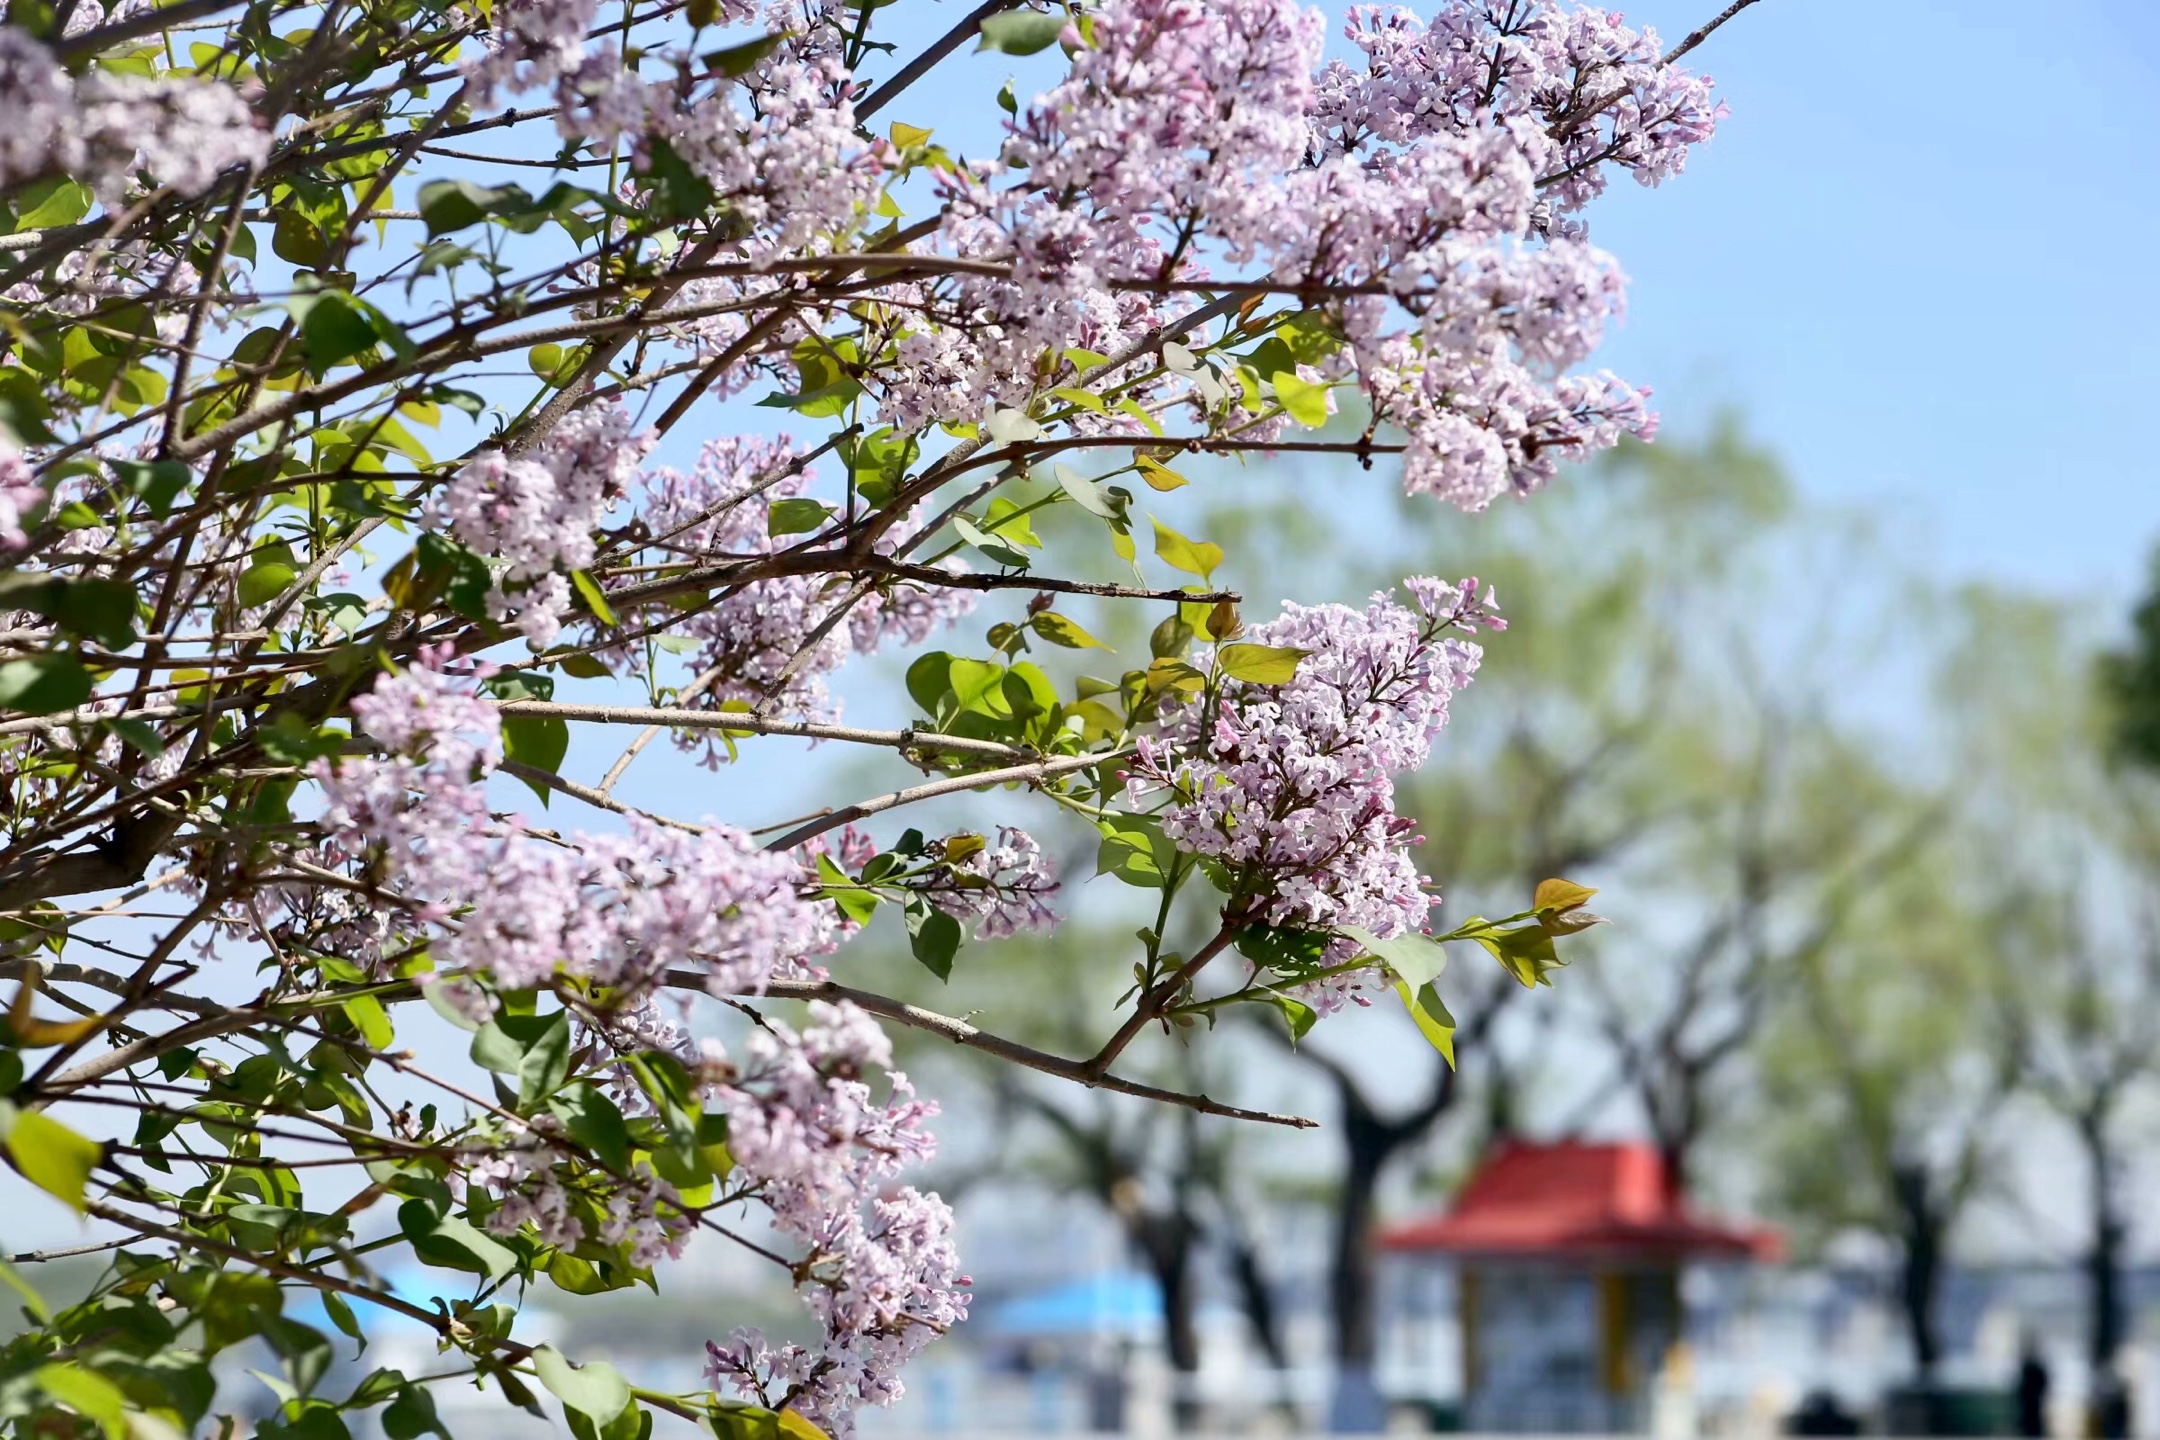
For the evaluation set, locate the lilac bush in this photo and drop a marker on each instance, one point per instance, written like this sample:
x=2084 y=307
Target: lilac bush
x=378 y=394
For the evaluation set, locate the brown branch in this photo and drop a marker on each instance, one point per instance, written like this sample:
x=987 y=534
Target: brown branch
x=1031 y=774
x=922 y=64
x=674 y=719
x=960 y=1032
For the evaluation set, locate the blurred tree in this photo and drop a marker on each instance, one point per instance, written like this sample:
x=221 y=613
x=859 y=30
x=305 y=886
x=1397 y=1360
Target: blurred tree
x=2066 y=820
x=2130 y=678
x=1885 y=1079
x=1617 y=735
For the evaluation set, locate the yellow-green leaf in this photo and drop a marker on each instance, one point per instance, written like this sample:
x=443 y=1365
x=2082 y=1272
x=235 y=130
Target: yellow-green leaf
x=371 y=1020
x=1194 y=557
x=907 y=137
x=1160 y=476
x=595 y=598
x=88 y=1394
x=1085 y=399
x=1304 y=401
x=1260 y=664
x=1432 y=1017
x=53 y=1157
x=1062 y=630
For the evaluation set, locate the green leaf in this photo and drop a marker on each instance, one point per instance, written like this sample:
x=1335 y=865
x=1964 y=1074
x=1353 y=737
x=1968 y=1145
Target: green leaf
x=341 y=1315
x=1060 y=630
x=43 y=684
x=679 y=192
x=1433 y=1020
x=371 y=1020
x=334 y=327
x=1136 y=851
x=736 y=60
x=978 y=685
x=540 y=741
x=1086 y=493
x=452 y=1243
x=1296 y=1014
x=934 y=936
x=51 y=1156
x=1085 y=399
x=1260 y=664
x=51 y=203
x=796 y=517
x=266 y=579
x=1288 y=952
x=595 y=598
x=1021 y=32
x=305 y=1351
x=1526 y=953
x=448 y=205
x=929 y=680
x=596 y=1390
x=855 y=902
x=546 y=1062
x=412 y=1415
x=595 y=1122
x=100 y=610
x=1194 y=557
x=1304 y=401
x=1417 y=959
x=32 y=1301
x=157 y=483
x=88 y=1394
x=990 y=545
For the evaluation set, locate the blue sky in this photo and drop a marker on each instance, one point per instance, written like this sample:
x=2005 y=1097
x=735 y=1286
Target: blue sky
x=1918 y=258
x=1915 y=257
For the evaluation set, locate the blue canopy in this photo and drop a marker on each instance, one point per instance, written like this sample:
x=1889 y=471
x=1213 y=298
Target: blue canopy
x=1124 y=1303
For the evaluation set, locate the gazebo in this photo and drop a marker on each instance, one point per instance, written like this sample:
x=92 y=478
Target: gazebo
x=1568 y=1260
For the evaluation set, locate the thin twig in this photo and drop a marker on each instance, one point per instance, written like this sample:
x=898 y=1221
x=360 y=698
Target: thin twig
x=961 y=1032
x=1013 y=774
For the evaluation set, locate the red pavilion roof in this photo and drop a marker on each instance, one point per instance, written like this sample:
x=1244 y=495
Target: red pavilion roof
x=1578 y=1200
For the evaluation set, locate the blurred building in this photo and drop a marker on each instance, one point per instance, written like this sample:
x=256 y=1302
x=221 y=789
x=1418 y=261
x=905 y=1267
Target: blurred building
x=1567 y=1260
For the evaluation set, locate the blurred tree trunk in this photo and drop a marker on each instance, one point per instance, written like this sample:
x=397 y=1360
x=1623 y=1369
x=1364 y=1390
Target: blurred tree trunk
x=2108 y=1321
x=1924 y=1227
x=1161 y=1228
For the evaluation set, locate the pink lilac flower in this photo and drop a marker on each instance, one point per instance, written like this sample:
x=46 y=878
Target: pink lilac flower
x=883 y=1277
x=1290 y=787
x=20 y=495
x=537 y=515
x=619 y=909
x=1000 y=889
x=721 y=510
x=105 y=127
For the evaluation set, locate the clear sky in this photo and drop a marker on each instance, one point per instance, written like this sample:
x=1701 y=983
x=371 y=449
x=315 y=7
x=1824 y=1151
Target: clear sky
x=1921 y=257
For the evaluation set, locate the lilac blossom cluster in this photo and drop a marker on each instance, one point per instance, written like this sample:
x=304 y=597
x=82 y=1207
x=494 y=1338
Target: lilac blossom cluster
x=789 y=170
x=1000 y=889
x=1290 y=787
x=1435 y=181
x=523 y=1175
x=773 y=642
x=1600 y=92
x=616 y=909
x=1424 y=183
x=20 y=495
x=883 y=1278
x=535 y=516
x=105 y=128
